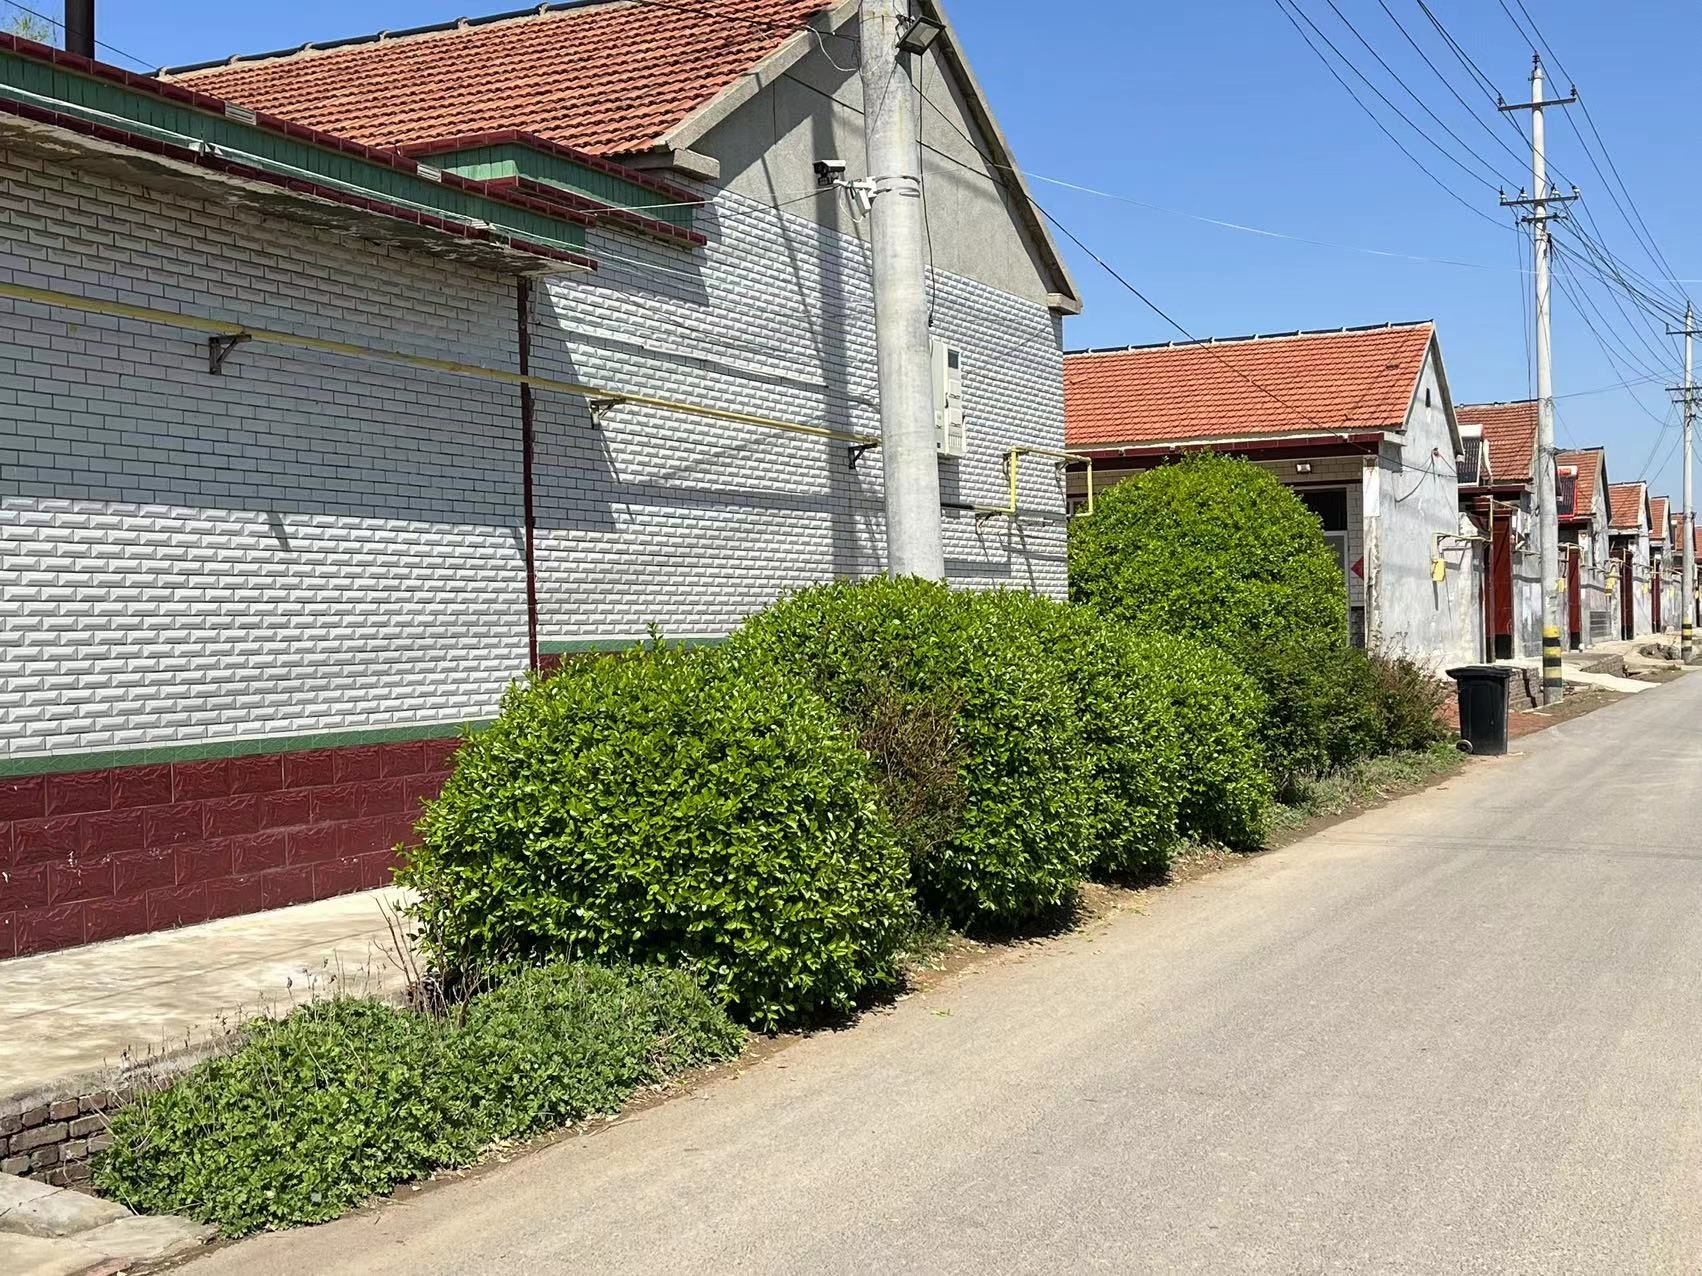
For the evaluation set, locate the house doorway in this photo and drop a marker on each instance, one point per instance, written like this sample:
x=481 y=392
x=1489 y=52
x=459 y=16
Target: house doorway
x=1627 y=604
x=1655 y=601
x=1574 y=599
x=1499 y=602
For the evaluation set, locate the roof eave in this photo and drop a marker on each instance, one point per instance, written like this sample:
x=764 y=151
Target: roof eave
x=792 y=50
x=1063 y=298
x=1132 y=447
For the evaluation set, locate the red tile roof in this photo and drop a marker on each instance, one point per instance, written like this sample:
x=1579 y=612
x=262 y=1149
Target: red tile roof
x=1659 y=519
x=1588 y=463
x=1510 y=429
x=1300 y=383
x=606 y=77
x=1625 y=503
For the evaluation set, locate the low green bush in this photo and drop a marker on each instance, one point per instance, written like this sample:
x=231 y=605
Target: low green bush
x=1216 y=549
x=555 y=1042
x=1343 y=704
x=1227 y=788
x=312 y=1114
x=972 y=730
x=671 y=807
x=1320 y=711
x=1127 y=708
x=1408 y=701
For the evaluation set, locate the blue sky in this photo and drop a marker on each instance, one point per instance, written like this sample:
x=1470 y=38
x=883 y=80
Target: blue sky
x=1219 y=110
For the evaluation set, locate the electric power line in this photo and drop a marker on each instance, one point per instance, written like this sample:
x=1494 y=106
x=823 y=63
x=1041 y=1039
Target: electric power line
x=994 y=167
x=1424 y=106
x=1291 y=9
x=1488 y=86
x=1520 y=159
x=1629 y=363
x=1452 y=194
x=1633 y=218
x=60 y=26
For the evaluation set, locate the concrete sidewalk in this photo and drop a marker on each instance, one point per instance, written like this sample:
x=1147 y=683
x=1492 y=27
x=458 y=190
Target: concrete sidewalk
x=1580 y=667
x=109 y=1006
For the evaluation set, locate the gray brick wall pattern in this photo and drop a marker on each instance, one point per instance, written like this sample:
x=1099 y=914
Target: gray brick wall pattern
x=309 y=542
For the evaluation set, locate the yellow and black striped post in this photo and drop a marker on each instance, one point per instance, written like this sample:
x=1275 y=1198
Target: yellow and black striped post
x=1553 y=686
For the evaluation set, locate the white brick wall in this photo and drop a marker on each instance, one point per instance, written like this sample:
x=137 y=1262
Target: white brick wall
x=310 y=542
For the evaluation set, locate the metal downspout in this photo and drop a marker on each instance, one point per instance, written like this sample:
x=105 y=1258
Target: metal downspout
x=523 y=341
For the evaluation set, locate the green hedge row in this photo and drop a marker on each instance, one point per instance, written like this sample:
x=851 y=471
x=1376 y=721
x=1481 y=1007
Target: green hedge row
x=774 y=815
x=1216 y=550
x=314 y=1113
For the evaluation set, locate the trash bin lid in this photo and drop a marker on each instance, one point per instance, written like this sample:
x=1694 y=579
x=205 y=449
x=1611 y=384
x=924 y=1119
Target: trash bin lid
x=1500 y=672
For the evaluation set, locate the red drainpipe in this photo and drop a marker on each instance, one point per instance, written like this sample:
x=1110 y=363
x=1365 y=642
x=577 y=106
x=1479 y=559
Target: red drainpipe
x=523 y=326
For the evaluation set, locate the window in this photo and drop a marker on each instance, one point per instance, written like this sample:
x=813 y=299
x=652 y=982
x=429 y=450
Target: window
x=1330 y=505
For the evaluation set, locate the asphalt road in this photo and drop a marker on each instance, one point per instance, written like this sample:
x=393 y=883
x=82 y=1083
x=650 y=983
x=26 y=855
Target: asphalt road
x=1459 y=1034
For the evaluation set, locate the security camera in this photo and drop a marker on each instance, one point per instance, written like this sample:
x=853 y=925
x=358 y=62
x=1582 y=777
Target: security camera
x=829 y=172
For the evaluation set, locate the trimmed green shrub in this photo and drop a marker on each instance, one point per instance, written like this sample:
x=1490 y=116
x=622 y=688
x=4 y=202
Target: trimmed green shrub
x=1211 y=548
x=672 y=807
x=1408 y=701
x=1127 y=706
x=314 y=1113
x=1217 y=550
x=997 y=764
x=1346 y=705
x=1321 y=714
x=1217 y=711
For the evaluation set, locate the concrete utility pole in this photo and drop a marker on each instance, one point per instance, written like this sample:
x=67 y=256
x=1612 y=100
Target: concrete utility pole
x=1548 y=520
x=1688 y=521
x=909 y=454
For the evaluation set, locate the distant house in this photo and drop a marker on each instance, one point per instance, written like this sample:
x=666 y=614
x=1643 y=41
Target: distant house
x=1358 y=422
x=1498 y=489
x=1629 y=574
x=1581 y=503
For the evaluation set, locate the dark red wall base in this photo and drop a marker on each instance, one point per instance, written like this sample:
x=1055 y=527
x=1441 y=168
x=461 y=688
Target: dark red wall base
x=91 y=855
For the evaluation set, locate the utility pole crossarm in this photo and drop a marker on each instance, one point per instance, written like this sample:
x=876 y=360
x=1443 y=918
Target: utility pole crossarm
x=1568 y=100
x=1523 y=202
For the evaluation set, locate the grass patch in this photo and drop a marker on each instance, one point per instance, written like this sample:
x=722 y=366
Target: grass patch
x=1362 y=783
x=316 y=1112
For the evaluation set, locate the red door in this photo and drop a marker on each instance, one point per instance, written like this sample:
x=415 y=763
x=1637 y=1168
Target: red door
x=1500 y=599
x=1627 y=606
x=1574 y=599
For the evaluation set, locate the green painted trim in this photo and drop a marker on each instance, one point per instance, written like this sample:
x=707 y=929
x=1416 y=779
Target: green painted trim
x=154 y=755
x=580 y=646
x=490 y=163
x=97 y=100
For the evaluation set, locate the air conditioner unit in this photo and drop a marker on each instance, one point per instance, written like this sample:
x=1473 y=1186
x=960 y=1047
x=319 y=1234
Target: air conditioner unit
x=951 y=433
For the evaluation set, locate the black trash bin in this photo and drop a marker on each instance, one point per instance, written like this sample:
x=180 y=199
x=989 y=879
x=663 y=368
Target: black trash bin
x=1483 y=706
